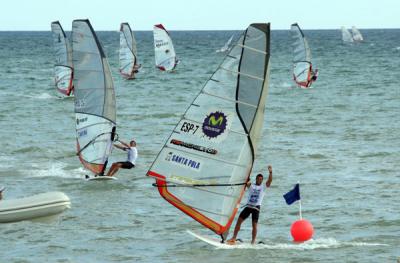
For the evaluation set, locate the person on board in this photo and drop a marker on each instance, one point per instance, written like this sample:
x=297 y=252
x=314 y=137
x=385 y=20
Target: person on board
x=314 y=75
x=131 y=158
x=255 y=197
x=2 y=188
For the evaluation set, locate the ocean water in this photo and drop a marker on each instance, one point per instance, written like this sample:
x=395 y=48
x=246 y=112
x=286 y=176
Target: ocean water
x=340 y=139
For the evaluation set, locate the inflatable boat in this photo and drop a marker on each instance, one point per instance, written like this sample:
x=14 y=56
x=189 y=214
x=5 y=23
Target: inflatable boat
x=33 y=207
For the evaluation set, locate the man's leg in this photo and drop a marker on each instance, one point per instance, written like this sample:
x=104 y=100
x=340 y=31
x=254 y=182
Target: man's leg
x=114 y=168
x=254 y=233
x=237 y=228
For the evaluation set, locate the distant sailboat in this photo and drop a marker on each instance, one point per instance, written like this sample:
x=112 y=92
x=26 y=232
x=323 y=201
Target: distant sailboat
x=303 y=73
x=203 y=167
x=127 y=52
x=95 y=108
x=346 y=35
x=164 y=51
x=226 y=46
x=63 y=68
x=357 y=37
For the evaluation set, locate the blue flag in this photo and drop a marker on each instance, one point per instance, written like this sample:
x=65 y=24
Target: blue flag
x=293 y=195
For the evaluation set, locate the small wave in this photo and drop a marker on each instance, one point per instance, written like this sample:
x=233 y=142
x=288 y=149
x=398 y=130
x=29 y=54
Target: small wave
x=55 y=169
x=42 y=96
x=397 y=48
x=320 y=243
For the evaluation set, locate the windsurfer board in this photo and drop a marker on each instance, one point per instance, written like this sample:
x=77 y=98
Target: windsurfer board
x=216 y=242
x=100 y=178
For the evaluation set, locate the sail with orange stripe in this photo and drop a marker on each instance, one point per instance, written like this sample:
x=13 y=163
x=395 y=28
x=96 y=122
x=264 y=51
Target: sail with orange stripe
x=94 y=98
x=204 y=165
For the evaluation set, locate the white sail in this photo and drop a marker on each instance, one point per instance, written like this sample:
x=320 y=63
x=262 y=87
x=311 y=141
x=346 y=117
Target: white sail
x=302 y=66
x=94 y=98
x=346 y=35
x=205 y=163
x=127 y=52
x=226 y=46
x=356 y=34
x=63 y=69
x=164 y=49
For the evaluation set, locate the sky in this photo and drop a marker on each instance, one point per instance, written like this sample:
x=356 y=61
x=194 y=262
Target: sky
x=30 y=15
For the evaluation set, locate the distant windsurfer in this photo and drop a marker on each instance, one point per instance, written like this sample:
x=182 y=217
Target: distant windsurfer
x=314 y=75
x=131 y=158
x=255 y=197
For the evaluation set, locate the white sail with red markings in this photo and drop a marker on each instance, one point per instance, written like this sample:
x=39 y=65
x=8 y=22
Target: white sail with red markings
x=205 y=163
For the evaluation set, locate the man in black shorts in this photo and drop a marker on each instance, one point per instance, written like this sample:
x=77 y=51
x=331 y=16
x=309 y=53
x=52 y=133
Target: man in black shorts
x=131 y=159
x=255 y=197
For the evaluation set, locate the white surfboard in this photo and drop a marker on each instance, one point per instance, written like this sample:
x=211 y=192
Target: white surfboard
x=217 y=242
x=101 y=178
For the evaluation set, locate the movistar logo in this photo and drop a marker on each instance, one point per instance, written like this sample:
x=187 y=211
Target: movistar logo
x=216 y=122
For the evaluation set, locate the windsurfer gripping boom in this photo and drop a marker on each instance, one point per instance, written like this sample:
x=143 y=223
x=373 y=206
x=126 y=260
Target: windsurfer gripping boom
x=255 y=196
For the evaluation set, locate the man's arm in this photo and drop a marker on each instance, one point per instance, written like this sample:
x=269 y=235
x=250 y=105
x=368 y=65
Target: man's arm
x=269 y=181
x=122 y=147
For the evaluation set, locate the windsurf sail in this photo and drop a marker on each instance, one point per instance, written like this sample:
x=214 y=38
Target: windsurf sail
x=346 y=35
x=302 y=66
x=63 y=69
x=94 y=98
x=203 y=167
x=226 y=46
x=356 y=34
x=127 y=52
x=164 y=49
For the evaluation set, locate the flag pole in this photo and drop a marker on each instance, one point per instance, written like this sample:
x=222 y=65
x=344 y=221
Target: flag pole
x=301 y=217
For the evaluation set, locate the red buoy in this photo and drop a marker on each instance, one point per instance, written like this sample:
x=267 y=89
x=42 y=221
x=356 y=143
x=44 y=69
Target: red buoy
x=301 y=230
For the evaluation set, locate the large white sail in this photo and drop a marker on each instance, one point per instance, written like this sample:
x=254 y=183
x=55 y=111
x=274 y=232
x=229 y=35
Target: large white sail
x=226 y=46
x=127 y=52
x=302 y=66
x=346 y=35
x=356 y=34
x=63 y=69
x=164 y=49
x=94 y=98
x=203 y=167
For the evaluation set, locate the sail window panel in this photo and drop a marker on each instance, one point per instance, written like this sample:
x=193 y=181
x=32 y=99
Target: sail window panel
x=94 y=130
x=87 y=61
x=253 y=64
x=301 y=71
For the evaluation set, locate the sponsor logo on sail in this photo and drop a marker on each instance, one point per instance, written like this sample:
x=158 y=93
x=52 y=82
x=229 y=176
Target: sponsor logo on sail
x=160 y=43
x=183 y=161
x=82 y=133
x=194 y=146
x=80 y=120
x=214 y=124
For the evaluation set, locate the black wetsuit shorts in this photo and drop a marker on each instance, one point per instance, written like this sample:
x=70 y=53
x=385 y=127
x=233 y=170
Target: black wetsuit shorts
x=127 y=165
x=254 y=211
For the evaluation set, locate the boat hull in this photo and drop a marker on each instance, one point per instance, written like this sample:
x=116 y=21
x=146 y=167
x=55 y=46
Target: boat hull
x=33 y=207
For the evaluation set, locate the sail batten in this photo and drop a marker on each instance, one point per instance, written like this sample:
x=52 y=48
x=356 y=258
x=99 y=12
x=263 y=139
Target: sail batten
x=213 y=146
x=95 y=111
x=63 y=67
